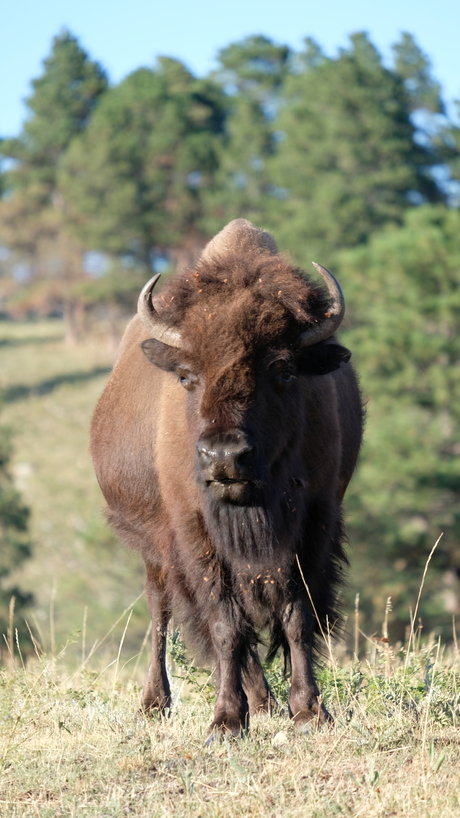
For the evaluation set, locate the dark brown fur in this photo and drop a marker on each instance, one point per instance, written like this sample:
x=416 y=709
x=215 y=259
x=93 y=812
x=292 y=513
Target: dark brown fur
x=229 y=569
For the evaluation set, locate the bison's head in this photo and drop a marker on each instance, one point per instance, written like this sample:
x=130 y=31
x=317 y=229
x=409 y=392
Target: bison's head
x=243 y=332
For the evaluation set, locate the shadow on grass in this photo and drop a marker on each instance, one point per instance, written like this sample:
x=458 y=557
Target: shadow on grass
x=23 y=391
x=31 y=339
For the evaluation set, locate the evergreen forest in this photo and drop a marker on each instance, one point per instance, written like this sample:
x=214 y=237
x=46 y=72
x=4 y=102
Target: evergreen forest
x=349 y=161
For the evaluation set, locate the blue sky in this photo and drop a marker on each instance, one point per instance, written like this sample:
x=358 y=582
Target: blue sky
x=123 y=35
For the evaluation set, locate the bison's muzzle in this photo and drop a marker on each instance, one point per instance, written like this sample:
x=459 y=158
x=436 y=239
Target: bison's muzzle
x=228 y=466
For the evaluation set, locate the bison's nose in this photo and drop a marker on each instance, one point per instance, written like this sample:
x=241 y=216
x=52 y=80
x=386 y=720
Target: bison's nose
x=227 y=457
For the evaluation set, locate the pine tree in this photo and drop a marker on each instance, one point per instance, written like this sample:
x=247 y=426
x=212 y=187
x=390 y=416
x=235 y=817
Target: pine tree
x=252 y=74
x=414 y=68
x=403 y=292
x=133 y=182
x=435 y=130
x=32 y=216
x=63 y=99
x=348 y=160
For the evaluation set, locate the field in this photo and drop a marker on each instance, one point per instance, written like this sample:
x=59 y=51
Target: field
x=71 y=740
x=73 y=744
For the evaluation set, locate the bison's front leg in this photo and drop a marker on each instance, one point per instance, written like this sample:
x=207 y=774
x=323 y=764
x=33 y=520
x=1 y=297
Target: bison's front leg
x=231 y=713
x=156 y=696
x=304 y=696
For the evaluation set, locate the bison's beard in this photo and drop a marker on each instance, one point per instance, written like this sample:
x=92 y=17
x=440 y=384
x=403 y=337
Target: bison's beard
x=248 y=532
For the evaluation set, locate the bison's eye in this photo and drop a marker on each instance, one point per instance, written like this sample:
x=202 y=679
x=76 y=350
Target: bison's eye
x=282 y=372
x=186 y=379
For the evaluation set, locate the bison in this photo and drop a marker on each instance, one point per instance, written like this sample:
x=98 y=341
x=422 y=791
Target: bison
x=223 y=444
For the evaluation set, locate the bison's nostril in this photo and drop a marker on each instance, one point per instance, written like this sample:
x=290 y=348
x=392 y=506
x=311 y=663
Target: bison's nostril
x=245 y=458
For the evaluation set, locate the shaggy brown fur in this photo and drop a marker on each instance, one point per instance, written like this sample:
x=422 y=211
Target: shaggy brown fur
x=223 y=484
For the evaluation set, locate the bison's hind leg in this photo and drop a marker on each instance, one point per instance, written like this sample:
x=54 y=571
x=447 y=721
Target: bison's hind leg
x=260 y=697
x=156 y=695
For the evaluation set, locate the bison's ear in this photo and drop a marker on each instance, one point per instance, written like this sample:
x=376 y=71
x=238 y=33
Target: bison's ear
x=322 y=358
x=162 y=355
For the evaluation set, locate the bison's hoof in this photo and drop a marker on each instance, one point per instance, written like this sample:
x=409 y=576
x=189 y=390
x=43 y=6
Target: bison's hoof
x=226 y=727
x=309 y=719
x=154 y=708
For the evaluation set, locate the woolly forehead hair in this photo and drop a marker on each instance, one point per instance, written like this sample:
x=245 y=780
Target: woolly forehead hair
x=220 y=277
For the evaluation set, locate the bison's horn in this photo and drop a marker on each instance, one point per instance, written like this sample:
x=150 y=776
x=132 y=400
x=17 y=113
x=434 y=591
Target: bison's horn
x=151 y=320
x=333 y=317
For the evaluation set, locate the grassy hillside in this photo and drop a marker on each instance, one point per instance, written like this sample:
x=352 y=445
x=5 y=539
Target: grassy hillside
x=49 y=392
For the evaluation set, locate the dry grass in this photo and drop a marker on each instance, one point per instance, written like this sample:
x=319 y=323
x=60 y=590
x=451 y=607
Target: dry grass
x=74 y=744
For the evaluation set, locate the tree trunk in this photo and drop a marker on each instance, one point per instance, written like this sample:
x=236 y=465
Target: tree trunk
x=73 y=321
